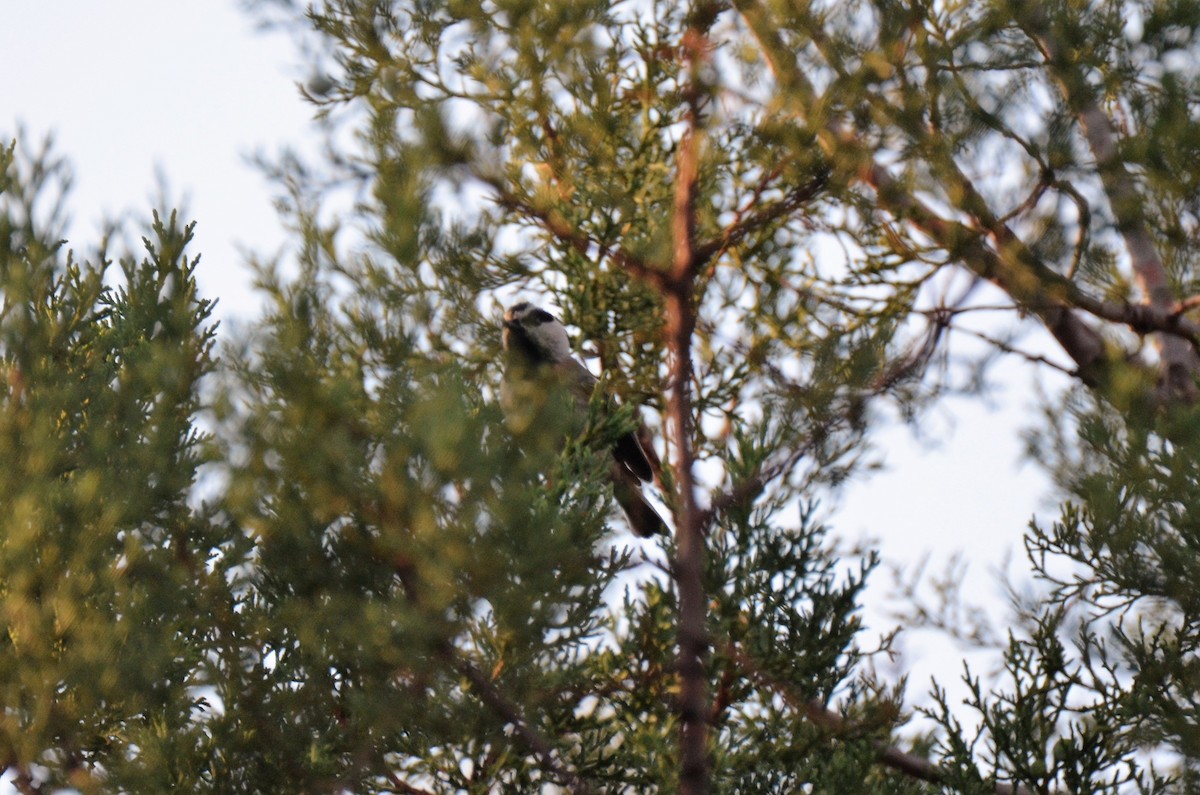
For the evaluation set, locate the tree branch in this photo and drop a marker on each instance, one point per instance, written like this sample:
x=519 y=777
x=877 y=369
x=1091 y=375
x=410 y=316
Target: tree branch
x=689 y=566
x=562 y=230
x=1180 y=362
x=495 y=701
x=1187 y=304
x=737 y=231
x=1082 y=343
x=905 y=762
x=1008 y=262
x=404 y=787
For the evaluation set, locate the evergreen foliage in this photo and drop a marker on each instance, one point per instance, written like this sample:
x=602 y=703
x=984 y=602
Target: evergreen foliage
x=755 y=219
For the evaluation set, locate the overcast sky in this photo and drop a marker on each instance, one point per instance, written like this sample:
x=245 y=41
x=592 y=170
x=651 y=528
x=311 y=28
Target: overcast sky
x=138 y=87
x=191 y=89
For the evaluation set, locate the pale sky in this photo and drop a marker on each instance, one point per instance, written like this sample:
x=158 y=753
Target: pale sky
x=191 y=89
x=138 y=86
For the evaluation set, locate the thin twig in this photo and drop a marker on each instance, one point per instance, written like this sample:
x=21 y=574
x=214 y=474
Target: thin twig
x=510 y=712
x=1180 y=362
x=747 y=223
x=1004 y=347
x=551 y=221
x=905 y=762
x=1189 y=303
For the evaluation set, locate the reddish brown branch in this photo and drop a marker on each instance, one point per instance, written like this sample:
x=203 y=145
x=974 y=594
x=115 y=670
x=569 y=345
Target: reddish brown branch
x=563 y=231
x=1187 y=304
x=680 y=304
x=992 y=250
x=1180 y=363
x=689 y=566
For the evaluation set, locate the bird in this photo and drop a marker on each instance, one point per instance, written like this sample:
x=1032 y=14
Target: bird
x=538 y=356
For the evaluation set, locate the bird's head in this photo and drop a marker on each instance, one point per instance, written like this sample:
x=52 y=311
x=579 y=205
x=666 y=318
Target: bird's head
x=534 y=334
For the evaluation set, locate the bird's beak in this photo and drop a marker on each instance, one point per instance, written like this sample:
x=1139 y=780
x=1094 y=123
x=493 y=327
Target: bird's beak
x=509 y=327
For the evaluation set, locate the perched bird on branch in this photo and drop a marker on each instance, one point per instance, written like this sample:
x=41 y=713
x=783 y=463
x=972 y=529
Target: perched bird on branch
x=538 y=357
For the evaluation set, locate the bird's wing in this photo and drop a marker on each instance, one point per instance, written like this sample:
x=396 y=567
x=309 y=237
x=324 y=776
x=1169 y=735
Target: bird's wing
x=628 y=450
x=632 y=455
x=578 y=378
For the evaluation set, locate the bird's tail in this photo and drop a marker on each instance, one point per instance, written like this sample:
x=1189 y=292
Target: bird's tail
x=642 y=517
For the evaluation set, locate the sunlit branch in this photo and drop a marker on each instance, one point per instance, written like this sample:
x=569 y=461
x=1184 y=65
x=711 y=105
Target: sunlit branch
x=749 y=222
x=680 y=325
x=1180 y=362
x=1187 y=304
x=563 y=231
x=1007 y=262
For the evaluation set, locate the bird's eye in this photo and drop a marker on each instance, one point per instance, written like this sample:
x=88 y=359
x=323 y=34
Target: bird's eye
x=540 y=316
x=518 y=308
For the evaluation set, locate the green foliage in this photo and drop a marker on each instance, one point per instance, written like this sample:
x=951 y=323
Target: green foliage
x=394 y=587
x=394 y=523
x=1099 y=680
x=105 y=563
x=374 y=365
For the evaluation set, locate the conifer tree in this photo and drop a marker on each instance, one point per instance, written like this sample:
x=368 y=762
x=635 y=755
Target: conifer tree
x=109 y=586
x=759 y=221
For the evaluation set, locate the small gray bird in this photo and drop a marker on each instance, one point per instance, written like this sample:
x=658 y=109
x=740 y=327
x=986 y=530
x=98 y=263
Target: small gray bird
x=539 y=353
